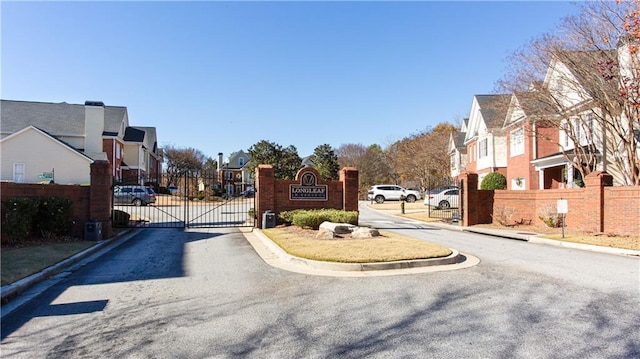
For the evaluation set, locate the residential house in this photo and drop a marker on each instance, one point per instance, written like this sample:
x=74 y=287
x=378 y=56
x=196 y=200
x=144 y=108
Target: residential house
x=51 y=160
x=94 y=130
x=233 y=174
x=570 y=81
x=531 y=138
x=485 y=138
x=142 y=157
x=458 y=150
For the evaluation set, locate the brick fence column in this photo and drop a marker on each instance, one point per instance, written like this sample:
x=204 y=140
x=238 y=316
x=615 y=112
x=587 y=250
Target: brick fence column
x=265 y=191
x=594 y=185
x=350 y=188
x=469 y=198
x=100 y=196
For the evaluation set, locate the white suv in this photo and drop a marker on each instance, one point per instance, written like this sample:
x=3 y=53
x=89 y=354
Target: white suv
x=391 y=192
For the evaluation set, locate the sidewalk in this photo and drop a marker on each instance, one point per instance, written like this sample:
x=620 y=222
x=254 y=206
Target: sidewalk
x=516 y=234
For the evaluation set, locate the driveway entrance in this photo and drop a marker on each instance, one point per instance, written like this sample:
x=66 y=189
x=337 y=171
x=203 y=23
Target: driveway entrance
x=194 y=204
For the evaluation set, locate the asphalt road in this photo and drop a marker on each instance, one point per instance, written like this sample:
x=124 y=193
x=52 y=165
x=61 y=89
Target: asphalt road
x=207 y=294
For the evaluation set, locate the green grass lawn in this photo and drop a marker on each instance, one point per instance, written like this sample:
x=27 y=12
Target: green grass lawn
x=388 y=247
x=18 y=263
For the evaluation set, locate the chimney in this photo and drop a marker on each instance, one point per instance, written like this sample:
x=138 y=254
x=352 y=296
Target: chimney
x=93 y=126
x=219 y=161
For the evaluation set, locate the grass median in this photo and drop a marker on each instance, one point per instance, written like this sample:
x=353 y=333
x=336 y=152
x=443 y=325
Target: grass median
x=388 y=247
x=20 y=262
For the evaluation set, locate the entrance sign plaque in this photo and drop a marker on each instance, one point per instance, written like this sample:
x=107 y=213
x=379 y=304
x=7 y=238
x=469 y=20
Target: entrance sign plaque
x=308 y=189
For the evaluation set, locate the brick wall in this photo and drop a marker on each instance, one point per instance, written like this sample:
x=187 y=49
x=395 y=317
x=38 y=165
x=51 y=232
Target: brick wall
x=78 y=194
x=596 y=208
x=622 y=209
x=274 y=195
x=89 y=202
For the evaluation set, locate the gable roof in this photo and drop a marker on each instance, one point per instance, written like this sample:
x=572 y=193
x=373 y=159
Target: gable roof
x=55 y=118
x=50 y=137
x=150 y=139
x=529 y=105
x=487 y=111
x=132 y=134
x=493 y=109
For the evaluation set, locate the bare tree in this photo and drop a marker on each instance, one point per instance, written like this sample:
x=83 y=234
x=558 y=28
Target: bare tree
x=587 y=73
x=181 y=161
x=423 y=155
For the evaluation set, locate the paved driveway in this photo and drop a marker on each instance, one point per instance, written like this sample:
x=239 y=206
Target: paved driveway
x=207 y=294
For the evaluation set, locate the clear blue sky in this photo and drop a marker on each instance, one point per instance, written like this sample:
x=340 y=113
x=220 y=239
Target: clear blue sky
x=221 y=76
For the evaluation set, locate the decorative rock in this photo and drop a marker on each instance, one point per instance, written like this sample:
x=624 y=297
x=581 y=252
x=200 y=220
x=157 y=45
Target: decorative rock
x=324 y=233
x=364 y=232
x=337 y=228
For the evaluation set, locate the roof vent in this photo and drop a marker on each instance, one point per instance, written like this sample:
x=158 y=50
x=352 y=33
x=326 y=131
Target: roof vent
x=94 y=103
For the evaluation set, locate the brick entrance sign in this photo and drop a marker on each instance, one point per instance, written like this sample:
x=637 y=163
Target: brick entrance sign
x=307 y=191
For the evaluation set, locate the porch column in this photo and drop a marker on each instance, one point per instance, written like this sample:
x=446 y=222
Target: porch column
x=541 y=179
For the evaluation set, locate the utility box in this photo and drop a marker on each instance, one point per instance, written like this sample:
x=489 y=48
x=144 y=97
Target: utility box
x=268 y=220
x=93 y=231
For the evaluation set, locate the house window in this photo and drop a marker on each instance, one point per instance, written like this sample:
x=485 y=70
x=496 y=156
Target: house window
x=453 y=162
x=228 y=175
x=241 y=161
x=117 y=150
x=18 y=172
x=517 y=142
x=483 y=151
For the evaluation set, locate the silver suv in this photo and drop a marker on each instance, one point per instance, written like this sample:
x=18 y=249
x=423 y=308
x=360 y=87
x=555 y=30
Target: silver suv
x=135 y=195
x=391 y=192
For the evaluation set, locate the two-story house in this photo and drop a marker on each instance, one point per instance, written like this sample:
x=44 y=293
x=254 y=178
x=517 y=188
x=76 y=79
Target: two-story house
x=39 y=139
x=485 y=138
x=234 y=176
x=458 y=150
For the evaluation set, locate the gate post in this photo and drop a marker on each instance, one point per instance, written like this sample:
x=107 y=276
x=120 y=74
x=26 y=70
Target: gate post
x=100 y=196
x=469 y=198
x=265 y=197
x=594 y=184
x=350 y=187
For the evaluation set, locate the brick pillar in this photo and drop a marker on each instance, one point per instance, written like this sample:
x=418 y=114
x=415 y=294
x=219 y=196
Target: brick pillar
x=469 y=198
x=594 y=185
x=265 y=191
x=100 y=196
x=350 y=188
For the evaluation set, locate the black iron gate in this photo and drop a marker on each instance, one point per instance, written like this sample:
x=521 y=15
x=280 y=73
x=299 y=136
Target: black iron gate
x=190 y=201
x=444 y=199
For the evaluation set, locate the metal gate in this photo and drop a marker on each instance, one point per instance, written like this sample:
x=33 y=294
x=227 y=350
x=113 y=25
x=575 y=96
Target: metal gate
x=193 y=201
x=444 y=198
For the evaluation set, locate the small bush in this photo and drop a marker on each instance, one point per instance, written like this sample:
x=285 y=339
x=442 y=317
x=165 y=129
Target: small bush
x=120 y=218
x=494 y=180
x=314 y=218
x=54 y=218
x=549 y=215
x=17 y=218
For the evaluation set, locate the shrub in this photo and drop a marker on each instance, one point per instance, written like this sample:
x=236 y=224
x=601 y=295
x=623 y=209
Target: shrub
x=314 y=218
x=120 y=218
x=17 y=218
x=494 y=180
x=549 y=215
x=54 y=217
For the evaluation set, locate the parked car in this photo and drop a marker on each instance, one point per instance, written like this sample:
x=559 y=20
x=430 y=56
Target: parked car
x=389 y=192
x=135 y=195
x=173 y=190
x=248 y=193
x=443 y=197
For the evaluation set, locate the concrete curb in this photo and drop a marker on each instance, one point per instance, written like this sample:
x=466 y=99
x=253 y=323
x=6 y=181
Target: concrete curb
x=10 y=291
x=453 y=259
x=530 y=237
